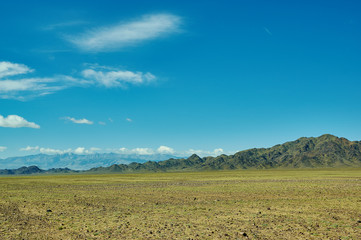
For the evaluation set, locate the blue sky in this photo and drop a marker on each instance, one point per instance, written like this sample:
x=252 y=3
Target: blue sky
x=176 y=76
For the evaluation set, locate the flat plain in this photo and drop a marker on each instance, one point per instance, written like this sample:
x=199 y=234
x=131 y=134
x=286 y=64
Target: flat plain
x=238 y=204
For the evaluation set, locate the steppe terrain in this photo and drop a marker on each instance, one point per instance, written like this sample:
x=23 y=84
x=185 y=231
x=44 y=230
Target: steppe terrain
x=238 y=204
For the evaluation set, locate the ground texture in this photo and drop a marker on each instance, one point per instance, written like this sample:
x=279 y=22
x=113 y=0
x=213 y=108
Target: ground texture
x=248 y=204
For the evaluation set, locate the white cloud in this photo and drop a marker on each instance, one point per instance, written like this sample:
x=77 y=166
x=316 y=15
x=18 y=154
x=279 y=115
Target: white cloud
x=125 y=34
x=94 y=149
x=15 y=121
x=193 y=151
x=165 y=150
x=79 y=121
x=82 y=150
x=218 y=151
x=10 y=69
x=33 y=84
x=129 y=120
x=102 y=123
x=78 y=150
x=215 y=152
x=143 y=151
x=23 y=88
x=29 y=148
x=2 y=149
x=139 y=151
x=53 y=151
x=117 y=78
x=20 y=88
x=122 y=150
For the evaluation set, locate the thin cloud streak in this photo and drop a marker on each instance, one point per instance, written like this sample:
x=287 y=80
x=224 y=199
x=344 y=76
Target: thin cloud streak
x=79 y=121
x=125 y=34
x=267 y=31
x=116 y=78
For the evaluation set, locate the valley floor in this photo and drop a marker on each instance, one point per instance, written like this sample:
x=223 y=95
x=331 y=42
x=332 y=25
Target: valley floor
x=239 y=204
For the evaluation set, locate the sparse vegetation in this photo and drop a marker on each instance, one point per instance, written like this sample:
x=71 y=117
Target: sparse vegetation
x=321 y=152
x=239 y=204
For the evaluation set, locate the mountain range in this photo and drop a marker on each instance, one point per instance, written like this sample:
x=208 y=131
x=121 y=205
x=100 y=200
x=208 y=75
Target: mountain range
x=79 y=162
x=320 y=152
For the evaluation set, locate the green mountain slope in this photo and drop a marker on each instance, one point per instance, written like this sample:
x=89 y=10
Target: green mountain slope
x=324 y=151
x=320 y=152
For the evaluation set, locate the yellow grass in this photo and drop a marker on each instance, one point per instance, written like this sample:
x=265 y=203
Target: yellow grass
x=263 y=204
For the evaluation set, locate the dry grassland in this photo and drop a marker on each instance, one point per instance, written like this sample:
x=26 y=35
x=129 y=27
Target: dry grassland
x=248 y=204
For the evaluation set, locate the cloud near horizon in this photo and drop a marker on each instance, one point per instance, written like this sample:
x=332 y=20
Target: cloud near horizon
x=2 y=148
x=127 y=33
x=50 y=151
x=15 y=121
x=165 y=150
x=28 y=148
x=215 y=152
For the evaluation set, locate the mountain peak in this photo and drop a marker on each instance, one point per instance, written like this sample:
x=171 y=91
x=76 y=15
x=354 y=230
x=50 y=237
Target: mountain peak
x=328 y=137
x=323 y=151
x=194 y=157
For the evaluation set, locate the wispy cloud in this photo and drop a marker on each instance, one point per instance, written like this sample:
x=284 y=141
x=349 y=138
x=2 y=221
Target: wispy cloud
x=117 y=78
x=21 y=88
x=15 y=121
x=2 y=148
x=79 y=121
x=125 y=34
x=13 y=86
x=267 y=31
x=10 y=69
x=26 y=88
x=128 y=120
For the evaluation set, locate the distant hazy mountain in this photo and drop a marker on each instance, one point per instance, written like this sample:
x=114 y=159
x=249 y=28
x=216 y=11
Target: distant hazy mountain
x=324 y=151
x=77 y=162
